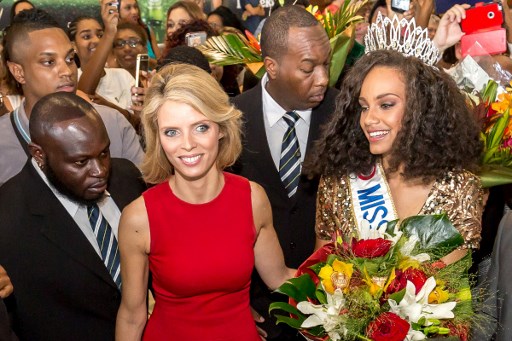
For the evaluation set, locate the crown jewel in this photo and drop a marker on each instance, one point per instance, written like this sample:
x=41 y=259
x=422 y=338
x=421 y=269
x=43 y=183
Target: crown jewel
x=402 y=36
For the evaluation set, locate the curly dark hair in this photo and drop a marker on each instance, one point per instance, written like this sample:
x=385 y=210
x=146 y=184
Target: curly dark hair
x=178 y=37
x=438 y=132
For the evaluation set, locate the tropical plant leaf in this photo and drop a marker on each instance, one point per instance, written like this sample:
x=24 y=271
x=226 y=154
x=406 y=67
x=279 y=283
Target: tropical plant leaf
x=435 y=232
x=299 y=288
x=294 y=323
x=340 y=47
x=229 y=49
x=494 y=175
x=285 y=307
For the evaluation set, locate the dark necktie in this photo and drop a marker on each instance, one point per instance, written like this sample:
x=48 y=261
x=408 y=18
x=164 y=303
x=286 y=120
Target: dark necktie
x=107 y=243
x=289 y=165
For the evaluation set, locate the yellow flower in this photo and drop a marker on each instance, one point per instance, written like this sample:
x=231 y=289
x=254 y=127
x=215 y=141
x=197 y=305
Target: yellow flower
x=374 y=286
x=438 y=295
x=336 y=276
x=408 y=263
x=504 y=102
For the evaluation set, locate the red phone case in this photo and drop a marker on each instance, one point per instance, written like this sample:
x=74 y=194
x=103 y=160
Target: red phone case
x=482 y=17
x=491 y=42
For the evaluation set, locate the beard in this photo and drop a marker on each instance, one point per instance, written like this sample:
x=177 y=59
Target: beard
x=65 y=190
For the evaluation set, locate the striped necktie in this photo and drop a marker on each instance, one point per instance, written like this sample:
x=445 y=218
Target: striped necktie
x=107 y=243
x=289 y=165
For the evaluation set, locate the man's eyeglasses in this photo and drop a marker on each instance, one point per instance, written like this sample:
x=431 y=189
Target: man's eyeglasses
x=119 y=44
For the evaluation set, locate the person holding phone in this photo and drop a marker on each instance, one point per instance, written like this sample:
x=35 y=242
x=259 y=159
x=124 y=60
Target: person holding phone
x=93 y=43
x=192 y=134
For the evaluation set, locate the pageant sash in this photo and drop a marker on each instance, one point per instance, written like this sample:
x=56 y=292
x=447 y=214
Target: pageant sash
x=371 y=199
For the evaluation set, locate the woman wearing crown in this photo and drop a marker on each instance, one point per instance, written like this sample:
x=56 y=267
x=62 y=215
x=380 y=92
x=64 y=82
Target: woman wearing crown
x=401 y=143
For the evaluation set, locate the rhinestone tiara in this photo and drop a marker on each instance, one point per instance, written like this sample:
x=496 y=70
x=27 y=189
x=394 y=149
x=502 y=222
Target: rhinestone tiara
x=402 y=36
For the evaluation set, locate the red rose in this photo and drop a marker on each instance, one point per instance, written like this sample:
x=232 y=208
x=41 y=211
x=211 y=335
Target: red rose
x=370 y=248
x=388 y=327
x=416 y=276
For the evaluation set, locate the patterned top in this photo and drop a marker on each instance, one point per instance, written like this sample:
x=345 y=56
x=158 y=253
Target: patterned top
x=458 y=194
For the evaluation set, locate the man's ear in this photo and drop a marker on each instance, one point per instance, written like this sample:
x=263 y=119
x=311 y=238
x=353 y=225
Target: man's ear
x=271 y=66
x=38 y=154
x=16 y=71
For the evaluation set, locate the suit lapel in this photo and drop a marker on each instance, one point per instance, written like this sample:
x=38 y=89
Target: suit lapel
x=60 y=228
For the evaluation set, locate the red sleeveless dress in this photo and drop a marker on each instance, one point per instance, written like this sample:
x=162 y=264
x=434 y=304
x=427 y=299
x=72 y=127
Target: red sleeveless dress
x=201 y=259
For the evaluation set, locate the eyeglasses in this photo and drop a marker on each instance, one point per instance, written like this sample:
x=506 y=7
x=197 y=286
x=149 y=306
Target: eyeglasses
x=119 y=44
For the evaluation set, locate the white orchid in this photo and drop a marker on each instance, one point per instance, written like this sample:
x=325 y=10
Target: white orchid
x=413 y=307
x=409 y=245
x=366 y=232
x=326 y=315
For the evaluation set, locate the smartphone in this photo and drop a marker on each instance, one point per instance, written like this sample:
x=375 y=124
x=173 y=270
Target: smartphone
x=400 y=6
x=142 y=65
x=491 y=42
x=116 y=4
x=194 y=39
x=482 y=18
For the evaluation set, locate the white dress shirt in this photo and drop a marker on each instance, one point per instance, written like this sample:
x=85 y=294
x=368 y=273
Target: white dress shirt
x=276 y=126
x=79 y=214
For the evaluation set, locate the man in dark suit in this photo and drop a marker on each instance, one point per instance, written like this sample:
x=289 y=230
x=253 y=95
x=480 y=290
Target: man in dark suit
x=284 y=113
x=50 y=215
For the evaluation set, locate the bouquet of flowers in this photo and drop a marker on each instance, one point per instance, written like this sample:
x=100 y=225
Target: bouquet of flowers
x=496 y=135
x=386 y=284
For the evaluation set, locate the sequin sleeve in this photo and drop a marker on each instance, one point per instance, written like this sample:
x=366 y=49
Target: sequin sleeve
x=460 y=196
x=333 y=209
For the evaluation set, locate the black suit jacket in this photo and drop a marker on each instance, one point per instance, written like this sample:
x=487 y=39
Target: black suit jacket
x=294 y=218
x=62 y=289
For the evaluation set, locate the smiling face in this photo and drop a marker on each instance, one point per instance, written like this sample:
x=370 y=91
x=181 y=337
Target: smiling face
x=383 y=103
x=177 y=18
x=88 y=34
x=76 y=158
x=129 y=11
x=189 y=140
x=45 y=64
x=126 y=55
x=299 y=78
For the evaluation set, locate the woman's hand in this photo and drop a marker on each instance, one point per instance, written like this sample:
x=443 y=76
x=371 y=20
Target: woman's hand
x=110 y=16
x=449 y=31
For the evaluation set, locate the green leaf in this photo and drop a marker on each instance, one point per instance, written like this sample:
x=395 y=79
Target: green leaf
x=340 y=47
x=397 y=296
x=433 y=231
x=321 y=296
x=294 y=323
x=494 y=175
x=285 y=307
x=300 y=288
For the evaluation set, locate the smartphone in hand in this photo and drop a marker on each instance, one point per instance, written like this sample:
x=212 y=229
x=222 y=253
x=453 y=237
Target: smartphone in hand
x=485 y=17
x=142 y=65
x=194 y=39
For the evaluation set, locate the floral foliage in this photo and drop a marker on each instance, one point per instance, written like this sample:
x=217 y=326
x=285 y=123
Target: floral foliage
x=388 y=285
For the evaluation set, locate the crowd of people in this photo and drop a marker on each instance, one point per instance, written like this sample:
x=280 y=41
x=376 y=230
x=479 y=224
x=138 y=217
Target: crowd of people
x=206 y=189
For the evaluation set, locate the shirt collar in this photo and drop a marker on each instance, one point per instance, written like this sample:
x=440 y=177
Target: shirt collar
x=273 y=111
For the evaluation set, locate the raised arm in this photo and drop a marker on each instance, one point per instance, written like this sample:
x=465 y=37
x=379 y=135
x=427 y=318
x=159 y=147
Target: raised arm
x=134 y=241
x=94 y=69
x=268 y=255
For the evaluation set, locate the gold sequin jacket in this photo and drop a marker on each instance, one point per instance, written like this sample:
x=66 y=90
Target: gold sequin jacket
x=458 y=194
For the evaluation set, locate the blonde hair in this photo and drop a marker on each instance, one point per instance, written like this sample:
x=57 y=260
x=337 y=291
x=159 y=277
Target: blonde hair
x=191 y=85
